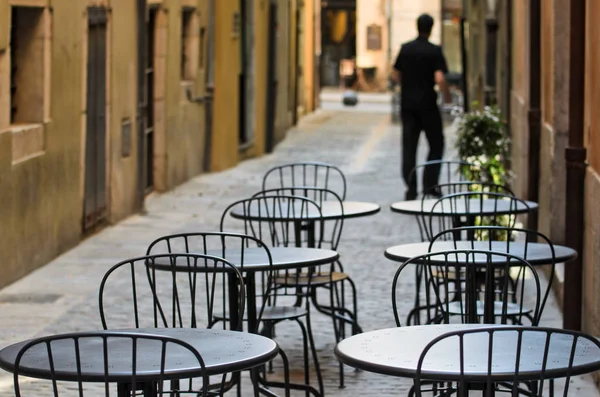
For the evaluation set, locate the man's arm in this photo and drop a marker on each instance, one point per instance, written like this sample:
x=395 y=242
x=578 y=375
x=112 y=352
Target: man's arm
x=440 y=80
x=396 y=76
x=441 y=68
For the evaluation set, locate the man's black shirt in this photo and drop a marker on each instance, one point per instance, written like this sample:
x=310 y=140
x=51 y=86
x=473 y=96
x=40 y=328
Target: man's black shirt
x=417 y=62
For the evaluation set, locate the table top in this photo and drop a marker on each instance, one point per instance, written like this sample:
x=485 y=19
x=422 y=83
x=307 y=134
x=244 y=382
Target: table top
x=222 y=351
x=255 y=259
x=330 y=210
x=490 y=207
x=396 y=352
x=537 y=253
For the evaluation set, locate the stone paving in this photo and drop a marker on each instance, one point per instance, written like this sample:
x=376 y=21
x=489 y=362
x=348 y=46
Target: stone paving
x=62 y=296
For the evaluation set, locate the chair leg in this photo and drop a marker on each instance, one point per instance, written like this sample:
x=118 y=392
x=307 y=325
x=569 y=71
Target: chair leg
x=309 y=342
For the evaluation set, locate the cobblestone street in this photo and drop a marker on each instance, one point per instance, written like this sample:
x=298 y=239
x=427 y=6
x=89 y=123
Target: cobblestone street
x=63 y=295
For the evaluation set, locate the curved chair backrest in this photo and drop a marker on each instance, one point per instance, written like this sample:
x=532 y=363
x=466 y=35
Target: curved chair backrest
x=276 y=220
x=444 y=297
x=469 y=208
x=178 y=290
x=509 y=356
x=508 y=239
x=234 y=247
x=307 y=173
x=332 y=229
x=78 y=365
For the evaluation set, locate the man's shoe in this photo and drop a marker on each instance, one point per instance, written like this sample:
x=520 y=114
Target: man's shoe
x=410 y=195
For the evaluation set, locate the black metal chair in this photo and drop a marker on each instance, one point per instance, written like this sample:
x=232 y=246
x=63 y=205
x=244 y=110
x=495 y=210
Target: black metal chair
x=234 y=247
x=89 y=378
x=502 y=238
x=295 y=221
x=451 y=188
x=522 y=370
x=307 y=173
x=174 y=290
x=469 y=302
x=472 y=209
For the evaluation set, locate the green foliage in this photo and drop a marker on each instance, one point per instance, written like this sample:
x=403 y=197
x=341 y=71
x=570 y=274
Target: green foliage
x=483 y=140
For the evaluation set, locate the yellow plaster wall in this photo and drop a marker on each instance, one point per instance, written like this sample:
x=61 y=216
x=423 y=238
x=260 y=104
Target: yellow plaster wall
x=224 y=151
x=38 y=196
x=122 y=52
x=184 y=124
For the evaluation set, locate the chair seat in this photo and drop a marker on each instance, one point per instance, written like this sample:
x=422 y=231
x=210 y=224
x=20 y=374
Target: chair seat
x=274 y=313
x=512 y=309
x=303 y=279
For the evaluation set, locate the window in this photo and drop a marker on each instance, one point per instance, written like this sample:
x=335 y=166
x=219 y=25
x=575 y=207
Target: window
x=25 y=88
x=29 y=38
x=189 y=44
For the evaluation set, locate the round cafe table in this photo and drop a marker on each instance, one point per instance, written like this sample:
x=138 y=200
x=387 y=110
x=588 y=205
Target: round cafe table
x=396 y=352
x=222 y=351
x=476 y=207
x=534 y=253
x=330 y=210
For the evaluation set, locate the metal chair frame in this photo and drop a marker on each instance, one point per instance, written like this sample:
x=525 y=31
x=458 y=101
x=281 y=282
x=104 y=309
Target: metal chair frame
x=535 y=387
x=150 y=388
x=449 y=169
x=205 y=242
x=302 y=225
x=307 y=173
x=491 y=233
x=154 y=276
x=476 y=273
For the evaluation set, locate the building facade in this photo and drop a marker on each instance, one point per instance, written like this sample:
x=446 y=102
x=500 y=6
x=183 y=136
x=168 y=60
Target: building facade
x=547 y=71
x=103 y=102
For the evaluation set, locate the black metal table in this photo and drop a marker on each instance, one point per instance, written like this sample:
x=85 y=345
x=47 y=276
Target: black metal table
x=537 y=253
x=396 y=352
x=255 y=260
x=330 y=210
x=477 y=207
x=222 y=351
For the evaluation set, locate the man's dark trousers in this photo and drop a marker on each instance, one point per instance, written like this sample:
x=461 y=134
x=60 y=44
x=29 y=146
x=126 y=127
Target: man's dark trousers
x=413 y=122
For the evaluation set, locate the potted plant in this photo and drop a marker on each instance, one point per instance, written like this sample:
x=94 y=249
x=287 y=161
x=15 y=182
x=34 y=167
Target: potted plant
x=483 y=140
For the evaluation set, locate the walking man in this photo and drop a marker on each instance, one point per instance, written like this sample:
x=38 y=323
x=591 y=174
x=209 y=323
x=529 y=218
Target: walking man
x=421 y=65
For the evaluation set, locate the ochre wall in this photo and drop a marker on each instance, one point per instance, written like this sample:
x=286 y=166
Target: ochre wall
x=41 y=207
x=520 y=97
x=554 y=134
x=224 y=151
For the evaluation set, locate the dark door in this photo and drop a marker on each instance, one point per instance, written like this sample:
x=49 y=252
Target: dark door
x=95 y=144
x=272 y=77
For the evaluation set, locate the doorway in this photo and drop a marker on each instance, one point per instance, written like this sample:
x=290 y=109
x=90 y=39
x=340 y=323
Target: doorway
x=95 y=191
x=148 y=102
x=272 y=77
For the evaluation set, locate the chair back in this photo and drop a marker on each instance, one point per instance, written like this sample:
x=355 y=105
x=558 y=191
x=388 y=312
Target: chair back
x=511 y=360
x=234 y=247
x=446 y=297
x=471 y=209
x=173 y=290
x=306 y=173
x=504 y=239
x=95 y=360
x=331 y=228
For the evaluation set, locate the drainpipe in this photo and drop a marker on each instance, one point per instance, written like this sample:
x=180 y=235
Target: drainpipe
x=534 y=115
x=575 y=156
x=463 y=56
